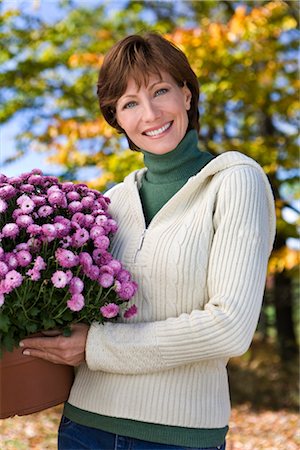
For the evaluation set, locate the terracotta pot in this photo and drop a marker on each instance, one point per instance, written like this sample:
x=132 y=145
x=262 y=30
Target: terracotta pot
x=30 y=385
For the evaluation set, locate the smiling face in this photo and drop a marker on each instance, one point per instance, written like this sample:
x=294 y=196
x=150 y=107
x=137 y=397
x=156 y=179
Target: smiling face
x=154 y=116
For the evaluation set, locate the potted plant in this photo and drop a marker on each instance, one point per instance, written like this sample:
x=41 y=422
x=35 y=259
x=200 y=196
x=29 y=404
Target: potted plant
x=55 y=270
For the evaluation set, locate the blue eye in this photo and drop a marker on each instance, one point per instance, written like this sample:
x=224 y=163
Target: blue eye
x=129 y=105
x=161 y=91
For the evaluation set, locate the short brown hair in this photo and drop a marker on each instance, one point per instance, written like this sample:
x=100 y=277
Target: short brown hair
x=138 y=56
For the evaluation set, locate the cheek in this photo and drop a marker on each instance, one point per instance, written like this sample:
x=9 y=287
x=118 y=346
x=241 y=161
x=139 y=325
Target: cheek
x=121 y=122
x=127 y=121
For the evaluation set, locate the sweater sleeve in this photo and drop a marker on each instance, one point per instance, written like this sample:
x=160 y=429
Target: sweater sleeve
x=235 y=283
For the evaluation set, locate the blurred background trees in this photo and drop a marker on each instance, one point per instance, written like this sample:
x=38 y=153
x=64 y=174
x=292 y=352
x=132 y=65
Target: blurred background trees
x=245 y=56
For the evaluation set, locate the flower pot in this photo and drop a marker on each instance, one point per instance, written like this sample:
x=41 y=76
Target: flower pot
x=29 y=385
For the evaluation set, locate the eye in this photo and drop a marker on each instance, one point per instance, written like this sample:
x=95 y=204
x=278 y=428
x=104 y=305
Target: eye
x=129 y=105
x=161 y=91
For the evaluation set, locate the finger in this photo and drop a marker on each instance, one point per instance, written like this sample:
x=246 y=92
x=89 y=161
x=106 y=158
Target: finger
x=40 y=354
x=52 y=333
x=39 y=343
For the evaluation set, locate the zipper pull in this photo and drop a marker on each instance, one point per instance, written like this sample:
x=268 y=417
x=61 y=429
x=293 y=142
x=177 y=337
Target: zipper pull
x=140 y=244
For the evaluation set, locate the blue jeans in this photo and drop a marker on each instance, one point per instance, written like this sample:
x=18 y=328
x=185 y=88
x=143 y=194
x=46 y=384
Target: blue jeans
x=72 y=436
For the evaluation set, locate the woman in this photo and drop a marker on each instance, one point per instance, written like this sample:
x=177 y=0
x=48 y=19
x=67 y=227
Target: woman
x=196 y=233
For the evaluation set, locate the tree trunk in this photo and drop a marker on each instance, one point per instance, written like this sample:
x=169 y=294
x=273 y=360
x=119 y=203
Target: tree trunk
x=283 y=301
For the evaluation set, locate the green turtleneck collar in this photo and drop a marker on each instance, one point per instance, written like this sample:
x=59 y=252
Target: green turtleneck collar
x=167 y=173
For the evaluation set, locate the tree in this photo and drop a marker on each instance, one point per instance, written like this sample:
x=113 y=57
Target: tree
x=244 y=54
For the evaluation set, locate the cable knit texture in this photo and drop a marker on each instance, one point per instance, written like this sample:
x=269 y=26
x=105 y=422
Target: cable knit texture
x=201 y=269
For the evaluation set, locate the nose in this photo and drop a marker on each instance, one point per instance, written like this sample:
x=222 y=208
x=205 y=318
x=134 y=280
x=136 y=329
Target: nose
x=150 y=111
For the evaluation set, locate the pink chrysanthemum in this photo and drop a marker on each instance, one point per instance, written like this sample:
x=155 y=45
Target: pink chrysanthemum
x=88 y=201
x=85 y=260
x=102 y=242
x=76 y=302
x=16 y=213
x=63 y=221
x=73 y=196
x=34 y=229
x=110 y=310
x=22 y=246
x=105 y=258
x=57 y=198
x=27 y=188
x=127 y=290
x=130 y=312
x=92 y=272
x=7 y=192
x=101 y=219
x=69 y=274
x=80 y=237
x=13 y=279
x=45 y=211
x=49 y=230
x=3 y=205
x=24 y=220
x=26 y=204
x=115 y=265
x=78 y=218
x=97 y=231
x=10 y=230
x=76 y=285
x=88 y=220
x=39 y=263
x=24 y=258
x=34 y=274
x=123 y=276
x=38 y=200
x=11 y=260
x=67 y=186
x=75 y=207
x=61 y=230
x=3 y=269
x=66 y=258
x=59 y=279
x=106 y=279
x=111 y=226
x=35 y=179
x=34 y=244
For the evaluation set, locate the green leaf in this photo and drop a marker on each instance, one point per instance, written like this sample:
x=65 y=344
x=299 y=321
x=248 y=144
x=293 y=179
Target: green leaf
x=48 y=323
x=4 y=323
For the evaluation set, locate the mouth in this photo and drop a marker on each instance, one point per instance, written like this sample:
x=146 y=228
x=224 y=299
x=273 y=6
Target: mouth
x=158 y=131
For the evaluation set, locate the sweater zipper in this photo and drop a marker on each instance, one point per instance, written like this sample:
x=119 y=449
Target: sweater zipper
x=140 y=244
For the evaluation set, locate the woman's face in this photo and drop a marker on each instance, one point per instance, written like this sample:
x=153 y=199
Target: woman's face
x=154 y=116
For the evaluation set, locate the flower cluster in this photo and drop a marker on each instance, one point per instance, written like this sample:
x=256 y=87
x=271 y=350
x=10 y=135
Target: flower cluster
x=55 y=265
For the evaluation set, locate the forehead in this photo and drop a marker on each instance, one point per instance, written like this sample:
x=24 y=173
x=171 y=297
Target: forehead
x=135 y=84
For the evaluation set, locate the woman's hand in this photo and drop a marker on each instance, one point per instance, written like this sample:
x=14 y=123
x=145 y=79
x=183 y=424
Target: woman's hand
x=59 y=349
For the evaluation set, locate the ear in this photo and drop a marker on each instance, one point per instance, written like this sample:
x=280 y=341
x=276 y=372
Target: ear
x=187 y=96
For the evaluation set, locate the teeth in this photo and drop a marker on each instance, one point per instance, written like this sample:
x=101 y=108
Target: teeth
x=159 y=130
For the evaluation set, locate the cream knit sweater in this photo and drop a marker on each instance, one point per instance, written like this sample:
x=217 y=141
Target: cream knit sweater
x=201 y=269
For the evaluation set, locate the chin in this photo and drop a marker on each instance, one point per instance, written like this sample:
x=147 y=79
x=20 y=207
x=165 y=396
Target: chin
x=162 y=148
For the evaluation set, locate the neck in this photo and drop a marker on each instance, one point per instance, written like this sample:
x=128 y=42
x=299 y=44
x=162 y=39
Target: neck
x=180 y=163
